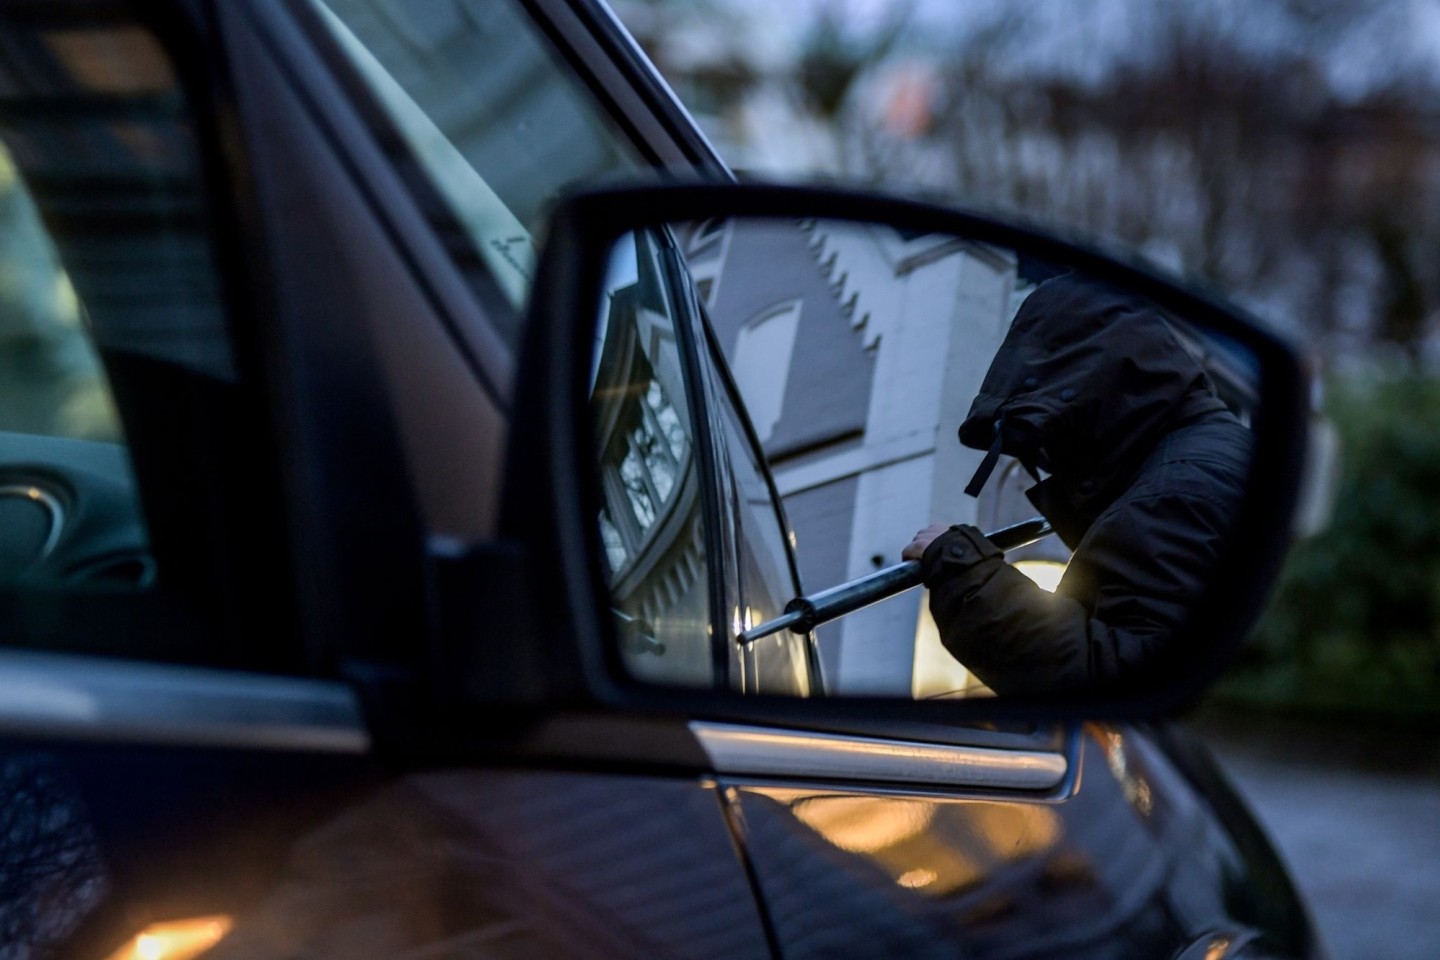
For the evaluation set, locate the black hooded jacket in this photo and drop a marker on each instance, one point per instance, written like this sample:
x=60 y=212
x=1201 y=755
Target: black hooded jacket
x=1146 y=471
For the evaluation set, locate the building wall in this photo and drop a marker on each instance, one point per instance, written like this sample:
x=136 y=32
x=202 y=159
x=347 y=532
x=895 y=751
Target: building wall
x=821 y=518
x=827 y=386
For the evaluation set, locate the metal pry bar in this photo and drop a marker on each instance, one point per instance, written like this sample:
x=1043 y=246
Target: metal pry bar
x=804 y=614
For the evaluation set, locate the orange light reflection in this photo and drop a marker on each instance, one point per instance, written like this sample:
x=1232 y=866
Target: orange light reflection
x=175 y=939
x=930 y=846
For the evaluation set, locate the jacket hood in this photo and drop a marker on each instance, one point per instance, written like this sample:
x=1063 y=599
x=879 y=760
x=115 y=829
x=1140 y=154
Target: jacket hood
x=1086 y=382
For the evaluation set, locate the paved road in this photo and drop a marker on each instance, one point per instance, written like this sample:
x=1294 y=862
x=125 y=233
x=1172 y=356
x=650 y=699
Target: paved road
x=1356 y=815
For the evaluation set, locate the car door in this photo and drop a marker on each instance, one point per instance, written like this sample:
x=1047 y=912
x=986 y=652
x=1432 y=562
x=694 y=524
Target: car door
x=257 y=376
x=1123 y=860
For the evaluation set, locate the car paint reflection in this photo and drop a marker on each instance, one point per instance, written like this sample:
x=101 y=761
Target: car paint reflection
x=937 y=849
x=511 y=864
x=1128 y=865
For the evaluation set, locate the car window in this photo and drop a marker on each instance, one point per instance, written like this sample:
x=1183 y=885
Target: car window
x=103 y=253
x=124 y=409
x=779 y=663
x=52 y=381
x=494 y=117
x=62 y=457
x=652 y=522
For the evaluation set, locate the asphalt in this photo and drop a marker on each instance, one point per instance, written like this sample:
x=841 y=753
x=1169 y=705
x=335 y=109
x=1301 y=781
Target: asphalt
x=1354 y=810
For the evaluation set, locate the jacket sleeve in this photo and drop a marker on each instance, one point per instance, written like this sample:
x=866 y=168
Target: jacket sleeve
x=1144 y=566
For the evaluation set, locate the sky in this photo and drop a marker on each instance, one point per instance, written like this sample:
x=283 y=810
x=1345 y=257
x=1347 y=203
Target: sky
x=1383 y=37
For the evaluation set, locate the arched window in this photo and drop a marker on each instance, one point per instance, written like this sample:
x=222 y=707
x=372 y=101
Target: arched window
x=761 y=366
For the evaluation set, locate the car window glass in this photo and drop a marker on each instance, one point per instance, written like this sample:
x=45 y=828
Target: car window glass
x=52 y=379
x=778 y=663
x=104 y=253
x=651 y=519
x=62 y=459
x=490 y=112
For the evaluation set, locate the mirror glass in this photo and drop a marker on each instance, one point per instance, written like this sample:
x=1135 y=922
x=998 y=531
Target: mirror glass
x=783 y=408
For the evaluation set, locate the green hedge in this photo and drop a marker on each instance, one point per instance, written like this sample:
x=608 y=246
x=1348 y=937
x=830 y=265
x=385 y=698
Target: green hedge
x=1355 y=621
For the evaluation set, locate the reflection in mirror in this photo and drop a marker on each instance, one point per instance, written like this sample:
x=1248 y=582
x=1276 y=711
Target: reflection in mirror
x=650 y=518
x=900 y=382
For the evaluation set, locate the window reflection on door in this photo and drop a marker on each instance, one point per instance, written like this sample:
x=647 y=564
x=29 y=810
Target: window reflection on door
x=651 y=522
x=780 y=663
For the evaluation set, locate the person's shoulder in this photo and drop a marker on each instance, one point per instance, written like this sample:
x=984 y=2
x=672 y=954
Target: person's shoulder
x=1217 y=438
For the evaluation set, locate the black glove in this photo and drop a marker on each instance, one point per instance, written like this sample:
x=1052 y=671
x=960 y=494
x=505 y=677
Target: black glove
x=956 y=551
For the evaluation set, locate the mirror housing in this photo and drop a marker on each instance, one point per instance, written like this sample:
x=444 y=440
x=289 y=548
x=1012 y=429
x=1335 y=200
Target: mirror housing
x=553 y=495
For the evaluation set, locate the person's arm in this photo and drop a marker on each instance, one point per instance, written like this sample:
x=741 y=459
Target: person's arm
x=1010 y=633
x=1142 y=566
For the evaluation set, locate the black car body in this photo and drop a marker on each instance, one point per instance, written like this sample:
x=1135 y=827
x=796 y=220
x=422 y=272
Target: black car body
x=216 y=599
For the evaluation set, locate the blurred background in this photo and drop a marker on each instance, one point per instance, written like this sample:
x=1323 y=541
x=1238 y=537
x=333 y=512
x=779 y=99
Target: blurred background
x=1284 y=152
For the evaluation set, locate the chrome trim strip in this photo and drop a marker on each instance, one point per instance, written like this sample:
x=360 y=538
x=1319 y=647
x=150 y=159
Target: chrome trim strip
x=770 y=752
x=688 y=128
x=28 y=491
x=118 y=701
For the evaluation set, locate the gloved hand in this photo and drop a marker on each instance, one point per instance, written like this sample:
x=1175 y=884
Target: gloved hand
x=954 y=551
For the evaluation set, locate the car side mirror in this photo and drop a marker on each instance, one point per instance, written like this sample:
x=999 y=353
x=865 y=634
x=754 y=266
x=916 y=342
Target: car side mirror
x=1106 y=460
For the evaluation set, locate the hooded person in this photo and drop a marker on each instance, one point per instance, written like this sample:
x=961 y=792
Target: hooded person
x=1145 y=467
